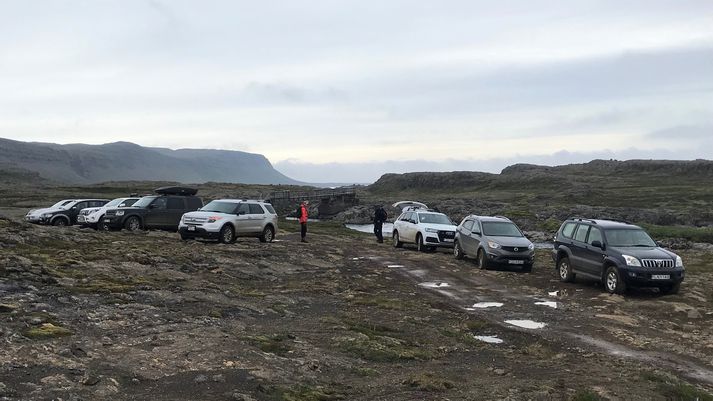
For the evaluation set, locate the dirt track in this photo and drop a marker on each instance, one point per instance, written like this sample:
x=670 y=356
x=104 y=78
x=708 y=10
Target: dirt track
x=89 y=315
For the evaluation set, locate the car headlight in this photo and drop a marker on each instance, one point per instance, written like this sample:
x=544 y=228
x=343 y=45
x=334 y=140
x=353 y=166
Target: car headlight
x=679 y=261
x=431 y=230
x=531 y=246
x=631 y=261
x=213 y=219
x=493 y=245
x=119 y=212
x=46 y=215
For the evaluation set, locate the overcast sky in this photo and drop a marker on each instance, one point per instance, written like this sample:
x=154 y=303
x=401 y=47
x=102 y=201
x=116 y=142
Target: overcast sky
x=347 y=90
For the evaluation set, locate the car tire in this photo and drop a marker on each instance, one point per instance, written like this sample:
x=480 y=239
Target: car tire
x=670 y=289
x=419 y=244
x=564 y=270
x=397 y=241
x=482 y=260
x=458 y=251
x=268 y=234
x=132 y=223
x=60 y=222
x=101 y=226
x=185 y=237
x=227 y=234
x=527 y=268
x=613 y=282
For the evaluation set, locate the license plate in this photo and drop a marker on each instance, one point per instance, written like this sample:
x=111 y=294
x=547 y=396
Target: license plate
x=107 y=220
x=447 y=239
x=660 y=276
x=516 y=262
x=191 y=228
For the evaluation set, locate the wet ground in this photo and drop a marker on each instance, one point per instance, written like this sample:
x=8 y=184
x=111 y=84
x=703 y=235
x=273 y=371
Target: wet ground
x=131 y=316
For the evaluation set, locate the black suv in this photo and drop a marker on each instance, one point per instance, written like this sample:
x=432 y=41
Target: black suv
x=162 y=211
x=617 y=254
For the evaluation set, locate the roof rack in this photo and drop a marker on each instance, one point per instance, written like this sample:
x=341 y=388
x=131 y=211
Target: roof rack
x=503 y=217
x=583 y=219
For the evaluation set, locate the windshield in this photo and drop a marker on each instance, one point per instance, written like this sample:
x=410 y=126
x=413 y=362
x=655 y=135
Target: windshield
x=114 y=202
x=61 y=203
x=145 y=201
x=625 y=238
x=220 y=207
x=501 y=229
x=433 y=218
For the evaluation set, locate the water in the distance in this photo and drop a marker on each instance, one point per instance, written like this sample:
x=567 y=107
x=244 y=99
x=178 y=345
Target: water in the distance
x=387 y=229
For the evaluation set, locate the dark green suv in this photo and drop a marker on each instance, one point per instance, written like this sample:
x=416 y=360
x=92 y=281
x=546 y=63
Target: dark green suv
x=617 y=254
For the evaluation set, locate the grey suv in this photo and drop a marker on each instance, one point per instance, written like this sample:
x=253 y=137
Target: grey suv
x=227 y=219
x=617 y=254
x=493 y=241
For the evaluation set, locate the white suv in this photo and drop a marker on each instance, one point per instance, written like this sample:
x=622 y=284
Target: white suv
x=421 y=226
x=94 y=216
x=228 y=219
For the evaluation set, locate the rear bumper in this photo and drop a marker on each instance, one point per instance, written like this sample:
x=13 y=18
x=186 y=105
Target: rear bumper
x=114 y=221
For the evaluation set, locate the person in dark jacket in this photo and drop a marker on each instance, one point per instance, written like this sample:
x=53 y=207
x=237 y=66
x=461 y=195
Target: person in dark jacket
x=379 y=219
x=303 y=215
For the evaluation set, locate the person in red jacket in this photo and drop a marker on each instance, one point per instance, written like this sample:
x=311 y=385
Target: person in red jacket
x=303 y=215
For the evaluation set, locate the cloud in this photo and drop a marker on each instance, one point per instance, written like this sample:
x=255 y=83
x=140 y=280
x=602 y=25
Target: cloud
x=695 y=132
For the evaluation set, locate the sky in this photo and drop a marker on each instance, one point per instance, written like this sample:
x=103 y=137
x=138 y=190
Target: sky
x=344 y=91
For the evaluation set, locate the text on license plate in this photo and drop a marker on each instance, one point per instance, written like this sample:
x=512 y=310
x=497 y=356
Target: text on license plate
x=191 y=228
x=516 y=262
x=107 y=220
x=660 y=276
x=447 y=239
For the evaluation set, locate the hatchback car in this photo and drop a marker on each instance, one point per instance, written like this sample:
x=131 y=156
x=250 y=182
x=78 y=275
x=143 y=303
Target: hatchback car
x=493 y=241
x=618 y=254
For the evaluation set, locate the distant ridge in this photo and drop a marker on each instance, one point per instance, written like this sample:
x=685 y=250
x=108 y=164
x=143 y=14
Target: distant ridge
x=125 y=161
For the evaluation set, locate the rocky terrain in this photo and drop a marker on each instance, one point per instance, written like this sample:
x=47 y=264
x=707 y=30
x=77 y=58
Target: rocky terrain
x=88 y=315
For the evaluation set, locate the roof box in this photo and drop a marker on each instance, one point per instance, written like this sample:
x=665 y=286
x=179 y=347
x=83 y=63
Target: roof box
x=176 y=191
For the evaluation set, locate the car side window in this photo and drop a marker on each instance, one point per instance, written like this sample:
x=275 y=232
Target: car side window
x=243 y=208
x=159 y=203
x=581 y=234
x=256 y=209
x=468 y=225
x=595 y=234
x=406 y=216
x=476 y=227
x=175 y=203
x=568 y=230
x=81 y=205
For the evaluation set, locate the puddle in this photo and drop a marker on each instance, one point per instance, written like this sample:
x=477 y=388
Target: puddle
x=417 y=273
x=434 y=285
x=551 y=304
x=395 y=266
x=489 y=339
x=553 y=293
x=526 y=324
x=487 y=305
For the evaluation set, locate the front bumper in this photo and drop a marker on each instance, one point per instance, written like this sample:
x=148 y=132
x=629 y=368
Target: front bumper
x=113 y=221
x=197 y=232
x=511 y=258
x=646 y=277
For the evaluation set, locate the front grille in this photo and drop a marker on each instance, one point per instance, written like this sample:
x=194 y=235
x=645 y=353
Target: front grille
x=442 y=235
x=194 y=220
x=658 y=263
x=515 y=248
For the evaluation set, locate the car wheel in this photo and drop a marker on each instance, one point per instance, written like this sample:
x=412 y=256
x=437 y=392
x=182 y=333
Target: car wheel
x=185 y=237
x=565 y=270
x=482 y=260
x=60 y=222
x=268 y=234
x=132 y=223
x=457 y=251
x=103 y=226
x=613 y=282
x=670 y=289
x=397 y=241
x=419 y=243
x=527 y=268
x=227 y=234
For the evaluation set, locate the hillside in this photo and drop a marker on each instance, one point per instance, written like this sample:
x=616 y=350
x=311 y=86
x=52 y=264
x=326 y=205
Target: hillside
x=123 y=161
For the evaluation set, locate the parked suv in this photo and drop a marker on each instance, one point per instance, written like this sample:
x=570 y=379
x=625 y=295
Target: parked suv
x=94 y=216
x=227 y=219
x=424 y=227
x=162 y=211
x=617 y=254
x=493 y=241
x=64 y=212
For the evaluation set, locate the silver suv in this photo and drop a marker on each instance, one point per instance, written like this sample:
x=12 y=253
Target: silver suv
x=493 y=241
x=227 y=219
x=421 y=226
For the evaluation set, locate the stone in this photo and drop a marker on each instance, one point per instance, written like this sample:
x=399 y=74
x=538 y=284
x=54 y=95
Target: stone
x=201 y=379
x=694 y=314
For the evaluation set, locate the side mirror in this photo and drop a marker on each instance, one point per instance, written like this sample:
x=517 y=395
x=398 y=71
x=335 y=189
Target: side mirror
x=598 y=244
x=153 y=206
x=74 y=208
x=476 y=232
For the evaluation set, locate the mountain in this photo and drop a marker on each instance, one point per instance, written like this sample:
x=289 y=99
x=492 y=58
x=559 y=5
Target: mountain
x=124 y=161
